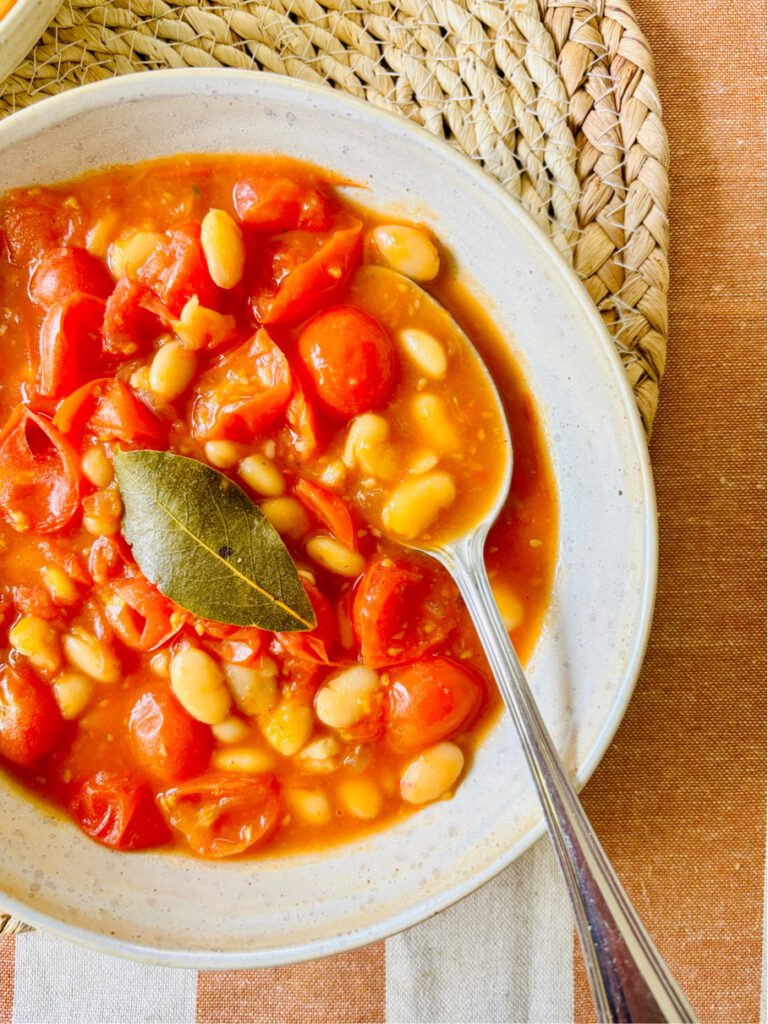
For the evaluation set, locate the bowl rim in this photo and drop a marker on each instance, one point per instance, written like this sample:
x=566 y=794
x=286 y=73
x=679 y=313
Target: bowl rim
x=109 y=92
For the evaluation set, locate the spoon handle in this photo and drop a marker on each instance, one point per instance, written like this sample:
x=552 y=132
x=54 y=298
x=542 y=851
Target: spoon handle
x=630 y=981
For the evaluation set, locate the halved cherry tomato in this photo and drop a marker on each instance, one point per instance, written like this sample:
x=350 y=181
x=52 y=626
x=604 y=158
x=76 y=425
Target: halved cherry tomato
x=138 y=612
x=64 y=271
x=350 y=360
x=109 y=410
x=34 y=223
x=429 y=701
x=302 y=421
x=402 y=608
x=120 y=812
x=332 y=511
x=280 y=204
x=39 y=473
x=316 y=644
x=130 y=323
x=312 y=283
x=70 y=344
x=169 y=743
x=245 y=391
x=242 y=645
x=222 y=815
x=30 y=721
x=177 y=270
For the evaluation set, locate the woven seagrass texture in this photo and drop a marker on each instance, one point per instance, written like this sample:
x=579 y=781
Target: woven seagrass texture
x=555 y=98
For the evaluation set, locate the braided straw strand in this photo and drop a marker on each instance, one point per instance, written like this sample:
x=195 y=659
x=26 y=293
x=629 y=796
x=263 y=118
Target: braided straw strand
x=554 y=98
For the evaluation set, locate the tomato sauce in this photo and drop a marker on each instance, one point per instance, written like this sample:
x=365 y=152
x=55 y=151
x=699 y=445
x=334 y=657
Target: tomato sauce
x=243 y=312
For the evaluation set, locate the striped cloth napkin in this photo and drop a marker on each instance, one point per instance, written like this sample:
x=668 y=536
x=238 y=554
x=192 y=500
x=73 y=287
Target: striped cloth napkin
x=503 y=954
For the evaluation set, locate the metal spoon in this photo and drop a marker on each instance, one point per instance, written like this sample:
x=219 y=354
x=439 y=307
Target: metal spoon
x=630 y=980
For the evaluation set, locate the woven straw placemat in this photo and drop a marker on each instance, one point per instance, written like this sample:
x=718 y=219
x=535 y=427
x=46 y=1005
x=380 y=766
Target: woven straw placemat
x=557 y=99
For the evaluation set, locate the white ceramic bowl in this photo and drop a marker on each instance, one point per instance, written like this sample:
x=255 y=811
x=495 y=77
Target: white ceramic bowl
x=20 y=29
x=178 y=910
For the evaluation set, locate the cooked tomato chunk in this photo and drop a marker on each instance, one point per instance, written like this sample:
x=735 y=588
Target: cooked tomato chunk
x=429 y=701
x=71 y=348
x=39 y=478
x=108 y=410
x=138 y=613
x=65 y=271
x=119 y=812
x=304 y=289
x=223 y=815
x=30 y=721
x=245 y=391
x=178 y=270
x=169 y=743
x=270 y=204
x=402 y=608
x=349 y=359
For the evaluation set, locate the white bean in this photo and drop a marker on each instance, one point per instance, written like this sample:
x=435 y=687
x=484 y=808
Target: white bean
x=434 y=423
x=223 y=248
x=38 y=640
x=172 y=370
x=95 y=657
x=432 y=773
x=289 y=727
x=426 y=352
x=311 y=806
x=254 y=687
x=346 y=698
x=415 y=504
x=360 y=797
x=262 y=475
x=407 y=250
x=199 y=685
x=332 y=555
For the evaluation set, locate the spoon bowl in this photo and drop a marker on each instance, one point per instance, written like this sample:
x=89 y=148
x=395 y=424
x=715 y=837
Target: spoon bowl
x=629 y=979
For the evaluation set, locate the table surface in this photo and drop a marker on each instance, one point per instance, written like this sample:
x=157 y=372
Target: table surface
x=679 y=799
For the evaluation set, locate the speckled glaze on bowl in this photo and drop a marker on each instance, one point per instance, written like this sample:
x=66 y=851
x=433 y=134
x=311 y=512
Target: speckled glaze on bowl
x=20 y=29
x=176 y=910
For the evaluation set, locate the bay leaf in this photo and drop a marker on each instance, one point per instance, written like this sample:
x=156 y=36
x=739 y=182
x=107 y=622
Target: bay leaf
x=204 y=544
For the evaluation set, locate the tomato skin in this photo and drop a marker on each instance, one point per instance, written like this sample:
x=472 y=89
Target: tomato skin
x=350 y=360
x=429 y=701
x=246 y=390
x=30 y=721
x=129 y=323
x=222 y=815
x=70 y=344
x=109 y=410
x=272 y=204
x=39 y=473
x=395 y=599
x=332 y=511
x=316 y=644
x=303 y=423
x=316 y=281
x=168 y=742
x=64 y=271
x=177 y=270
x=138 y=613
x=241 y=645
x=120 y=812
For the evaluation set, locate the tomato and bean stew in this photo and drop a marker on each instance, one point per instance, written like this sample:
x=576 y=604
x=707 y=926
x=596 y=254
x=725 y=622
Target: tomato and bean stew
x=222 y=378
